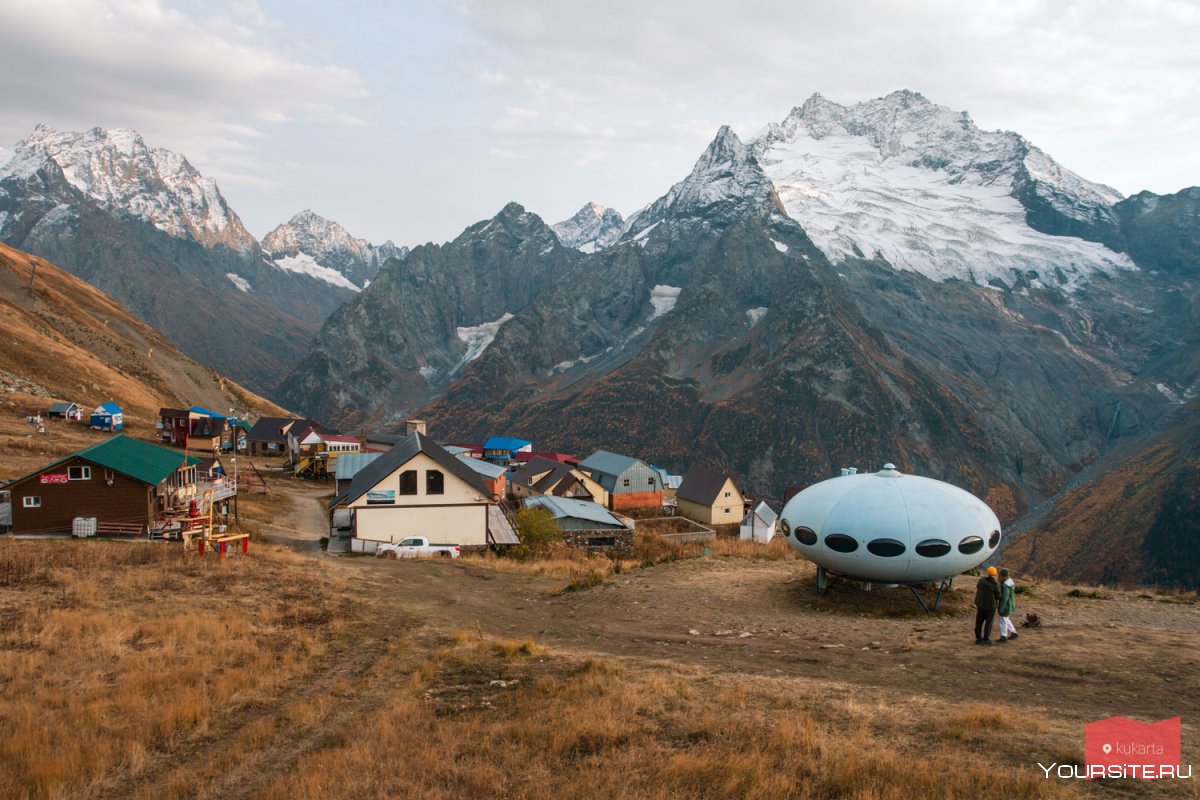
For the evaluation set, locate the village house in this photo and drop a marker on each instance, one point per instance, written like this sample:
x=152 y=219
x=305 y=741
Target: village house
x=710 y=498
x=503 y=449
x=195 y=428
x=71 y=412
x=541 y=476
x=268 y=436
x=107 y=417
x=759 y=524
x=629 y=482
x=586 y=524
x=414 y=489
x=124 y=483
x=315 y=453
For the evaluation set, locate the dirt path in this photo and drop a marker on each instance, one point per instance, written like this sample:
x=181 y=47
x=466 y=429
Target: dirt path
x=1094 y=658
x=291 y=514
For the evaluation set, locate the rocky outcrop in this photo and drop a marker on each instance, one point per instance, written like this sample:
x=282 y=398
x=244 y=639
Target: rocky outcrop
x=593 y=228
x=331 y=249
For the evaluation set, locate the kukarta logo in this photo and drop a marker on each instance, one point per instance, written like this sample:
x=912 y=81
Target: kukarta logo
x=1118 y=747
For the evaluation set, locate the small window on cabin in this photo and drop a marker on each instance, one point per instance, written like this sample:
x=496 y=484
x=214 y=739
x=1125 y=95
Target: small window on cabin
x=31 y=502
x=435 y=482
x=625 y=482
x=650 y=481
x=79 y=473
x=727 y=494
x=727 y=511
x=408 y=481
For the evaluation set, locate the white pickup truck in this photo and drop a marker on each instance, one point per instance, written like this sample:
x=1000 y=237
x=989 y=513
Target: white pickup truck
x=417 y=547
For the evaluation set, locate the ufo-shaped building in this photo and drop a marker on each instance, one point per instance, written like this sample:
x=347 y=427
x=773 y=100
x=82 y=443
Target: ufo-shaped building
x=890 y=528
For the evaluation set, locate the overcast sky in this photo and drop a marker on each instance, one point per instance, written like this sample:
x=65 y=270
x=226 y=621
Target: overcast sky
x=411 y=120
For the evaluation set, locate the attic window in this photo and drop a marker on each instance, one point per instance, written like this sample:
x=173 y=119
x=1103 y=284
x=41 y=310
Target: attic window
x=650 y=481
x=79 y=473
x=435 y=482
x=408 y=481
x=625 y=482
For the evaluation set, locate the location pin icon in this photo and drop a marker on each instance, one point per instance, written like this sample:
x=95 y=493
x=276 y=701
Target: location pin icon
x=1107 y=749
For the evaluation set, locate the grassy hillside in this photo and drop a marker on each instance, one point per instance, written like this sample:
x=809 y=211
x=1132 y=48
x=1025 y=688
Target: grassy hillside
x=66 y=340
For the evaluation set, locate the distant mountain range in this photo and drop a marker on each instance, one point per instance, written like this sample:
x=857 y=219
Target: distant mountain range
x=143 y=225
x=858 y=284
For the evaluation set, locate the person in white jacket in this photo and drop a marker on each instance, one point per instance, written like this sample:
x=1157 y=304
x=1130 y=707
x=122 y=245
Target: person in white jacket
x=1008 y=591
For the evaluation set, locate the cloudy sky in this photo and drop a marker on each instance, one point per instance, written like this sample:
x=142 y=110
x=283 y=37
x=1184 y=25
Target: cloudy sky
x=410 y=120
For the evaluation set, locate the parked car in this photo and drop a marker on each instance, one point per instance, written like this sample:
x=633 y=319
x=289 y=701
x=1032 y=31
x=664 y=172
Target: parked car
x=417 y=547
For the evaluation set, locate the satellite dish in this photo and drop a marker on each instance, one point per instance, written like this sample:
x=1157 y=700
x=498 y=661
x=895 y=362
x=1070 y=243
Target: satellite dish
x=890 y=528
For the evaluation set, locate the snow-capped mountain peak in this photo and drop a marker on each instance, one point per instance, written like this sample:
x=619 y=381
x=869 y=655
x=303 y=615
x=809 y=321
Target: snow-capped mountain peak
x=592 y=228
x=727 y=180
x=115 y=169
x=921 y=186
x=327 y=251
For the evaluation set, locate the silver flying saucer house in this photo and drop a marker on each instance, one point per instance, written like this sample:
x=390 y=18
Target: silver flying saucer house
x=888 y=528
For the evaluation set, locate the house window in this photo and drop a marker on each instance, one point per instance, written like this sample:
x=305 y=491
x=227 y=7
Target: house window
x=727 y=511
x=408 y=481
x=625 y=482
x=727 y=494
x=79 y=473
x=31 y=502
x=435 y=482
x=650 y=481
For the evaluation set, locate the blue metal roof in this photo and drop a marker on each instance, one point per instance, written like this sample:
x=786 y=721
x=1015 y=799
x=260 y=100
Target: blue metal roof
x=205 y=411
x=568 y=507
x=505 y=443
x=108 y=408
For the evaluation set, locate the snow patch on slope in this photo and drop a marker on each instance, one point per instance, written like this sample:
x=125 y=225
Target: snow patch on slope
x=756 y=315
x=477 y=338
x=238 y=281
x=780 y=246
x=663 y=298
x=304 y=264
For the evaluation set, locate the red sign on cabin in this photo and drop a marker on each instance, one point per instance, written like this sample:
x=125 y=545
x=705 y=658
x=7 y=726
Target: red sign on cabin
x=60 y=478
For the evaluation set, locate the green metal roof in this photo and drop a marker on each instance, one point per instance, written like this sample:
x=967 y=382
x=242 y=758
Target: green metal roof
x=136 y=459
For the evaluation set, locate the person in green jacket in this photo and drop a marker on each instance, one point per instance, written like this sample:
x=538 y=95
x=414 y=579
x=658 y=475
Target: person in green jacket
x=987 y=597
x=1008 y=589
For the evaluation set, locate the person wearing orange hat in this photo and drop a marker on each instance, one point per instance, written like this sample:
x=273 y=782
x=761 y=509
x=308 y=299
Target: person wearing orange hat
x=987 y=598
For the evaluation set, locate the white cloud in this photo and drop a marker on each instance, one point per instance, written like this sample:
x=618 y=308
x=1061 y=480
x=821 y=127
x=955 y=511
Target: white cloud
x=202 y=84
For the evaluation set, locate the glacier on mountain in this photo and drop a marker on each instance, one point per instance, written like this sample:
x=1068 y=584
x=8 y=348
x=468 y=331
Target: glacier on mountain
x=922 y=187
x=304 y=264
x=477 y=338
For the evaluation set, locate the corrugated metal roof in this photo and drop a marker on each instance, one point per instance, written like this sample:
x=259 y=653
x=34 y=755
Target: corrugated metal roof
x=484 y=468
x=107 y=408
x=133 y=458
x=61 y=407
x=349 y=464
x=607 y=463
x=205 y=411
x=765 y=512
x=500 y=530
x=567 y=507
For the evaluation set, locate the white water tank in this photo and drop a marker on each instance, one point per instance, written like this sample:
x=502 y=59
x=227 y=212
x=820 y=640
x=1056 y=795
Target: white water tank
x=889 y=527
x=83 y=526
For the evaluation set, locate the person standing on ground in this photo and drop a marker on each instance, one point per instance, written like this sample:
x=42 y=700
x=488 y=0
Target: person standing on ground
x=1008 y=599
x=987 y=597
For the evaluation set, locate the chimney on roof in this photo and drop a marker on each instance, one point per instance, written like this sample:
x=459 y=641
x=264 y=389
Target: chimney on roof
x=412 y=426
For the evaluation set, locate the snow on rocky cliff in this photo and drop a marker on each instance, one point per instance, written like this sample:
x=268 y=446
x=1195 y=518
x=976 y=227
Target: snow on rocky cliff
x=922 y=187
x=116 y=169
x=593 y=228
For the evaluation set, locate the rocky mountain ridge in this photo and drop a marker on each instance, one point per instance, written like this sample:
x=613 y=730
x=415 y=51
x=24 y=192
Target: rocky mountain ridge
x=143 y=225
x=592 y=228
